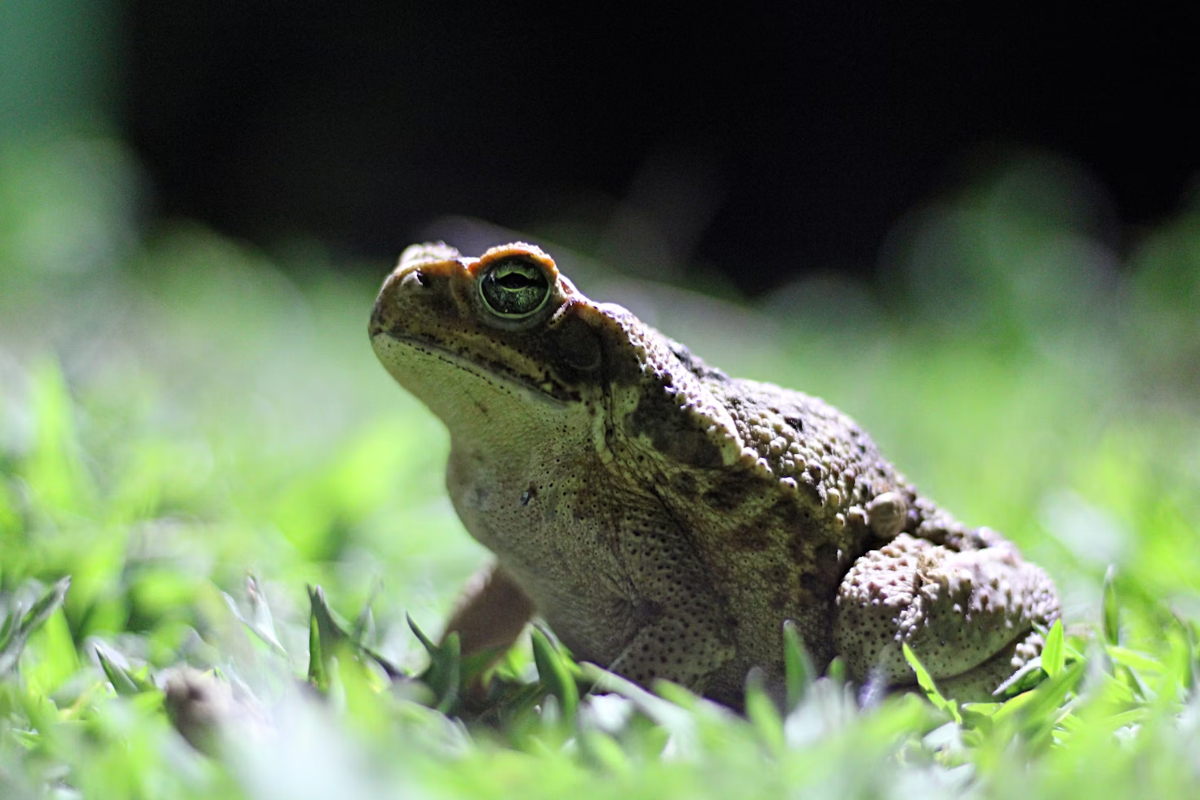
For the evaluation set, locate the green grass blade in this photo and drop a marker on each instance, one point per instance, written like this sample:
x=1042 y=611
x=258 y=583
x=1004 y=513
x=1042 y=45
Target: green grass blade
x=925 y=681
x=554 y=673
x=18 y=632
x=124 y=682
x=1111 y=608
x=798 y=667
x=1053 y=653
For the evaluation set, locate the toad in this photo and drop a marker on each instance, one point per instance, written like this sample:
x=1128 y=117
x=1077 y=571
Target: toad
x=665 y=519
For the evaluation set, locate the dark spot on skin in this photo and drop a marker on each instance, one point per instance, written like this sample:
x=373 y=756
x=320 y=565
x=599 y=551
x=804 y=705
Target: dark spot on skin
x=795 y=422
x=529 y=494
x=754 y=538
x=619 y=362
x=780 y=577
x=789 y=515
x=645 y=612
x=797 y=546
x=729 y=493
x=673 y=431
x=779 y=601
x=574 y=348
x=684 y=483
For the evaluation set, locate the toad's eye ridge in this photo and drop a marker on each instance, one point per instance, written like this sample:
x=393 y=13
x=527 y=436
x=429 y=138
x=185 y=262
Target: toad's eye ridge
x=514 y=288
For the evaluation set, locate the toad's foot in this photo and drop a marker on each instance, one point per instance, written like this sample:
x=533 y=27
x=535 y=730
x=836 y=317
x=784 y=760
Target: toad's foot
x=968 y=615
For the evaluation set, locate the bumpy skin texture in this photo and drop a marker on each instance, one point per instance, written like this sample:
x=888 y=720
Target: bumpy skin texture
x=665 y=519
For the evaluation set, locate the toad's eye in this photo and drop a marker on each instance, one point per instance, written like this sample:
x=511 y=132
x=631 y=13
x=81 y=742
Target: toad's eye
x=514 y=288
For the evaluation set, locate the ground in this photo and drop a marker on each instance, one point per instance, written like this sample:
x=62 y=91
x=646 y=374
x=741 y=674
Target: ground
x=181 y=412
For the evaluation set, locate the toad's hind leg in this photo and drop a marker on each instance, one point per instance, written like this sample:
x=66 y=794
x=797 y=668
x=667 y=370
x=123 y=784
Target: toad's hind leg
x=968 y=615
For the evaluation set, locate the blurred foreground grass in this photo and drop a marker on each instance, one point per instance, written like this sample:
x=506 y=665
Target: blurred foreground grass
x=177 y=413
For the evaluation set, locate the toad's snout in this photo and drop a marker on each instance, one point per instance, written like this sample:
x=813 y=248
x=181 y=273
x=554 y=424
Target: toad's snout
x=389 y=312
x=375 y=326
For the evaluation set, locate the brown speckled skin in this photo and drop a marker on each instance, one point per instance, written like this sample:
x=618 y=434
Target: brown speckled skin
x=665 y=519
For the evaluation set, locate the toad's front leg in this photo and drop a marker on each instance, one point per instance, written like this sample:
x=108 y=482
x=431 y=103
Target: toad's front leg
x=969 y=615
x=684 y=642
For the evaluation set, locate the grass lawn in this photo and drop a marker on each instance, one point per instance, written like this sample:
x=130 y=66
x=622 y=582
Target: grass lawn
x=197 y=435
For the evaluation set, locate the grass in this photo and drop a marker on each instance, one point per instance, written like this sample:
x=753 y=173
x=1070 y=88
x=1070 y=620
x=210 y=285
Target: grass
x=192 y=441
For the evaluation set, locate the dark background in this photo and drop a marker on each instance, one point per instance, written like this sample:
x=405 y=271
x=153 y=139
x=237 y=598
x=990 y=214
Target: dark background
x=765 y=139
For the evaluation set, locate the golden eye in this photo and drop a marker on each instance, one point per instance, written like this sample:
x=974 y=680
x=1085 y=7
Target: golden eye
x=514 y=288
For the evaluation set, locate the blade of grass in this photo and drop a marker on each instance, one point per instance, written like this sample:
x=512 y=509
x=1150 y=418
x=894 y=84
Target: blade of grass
x=554 y=674
x=925 y=681
x=18 y=633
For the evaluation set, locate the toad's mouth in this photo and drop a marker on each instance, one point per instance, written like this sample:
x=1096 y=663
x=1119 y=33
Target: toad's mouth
x=417 y=364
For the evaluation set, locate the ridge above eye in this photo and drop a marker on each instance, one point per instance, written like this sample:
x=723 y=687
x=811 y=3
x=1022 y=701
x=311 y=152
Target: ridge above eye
x=514 y=288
